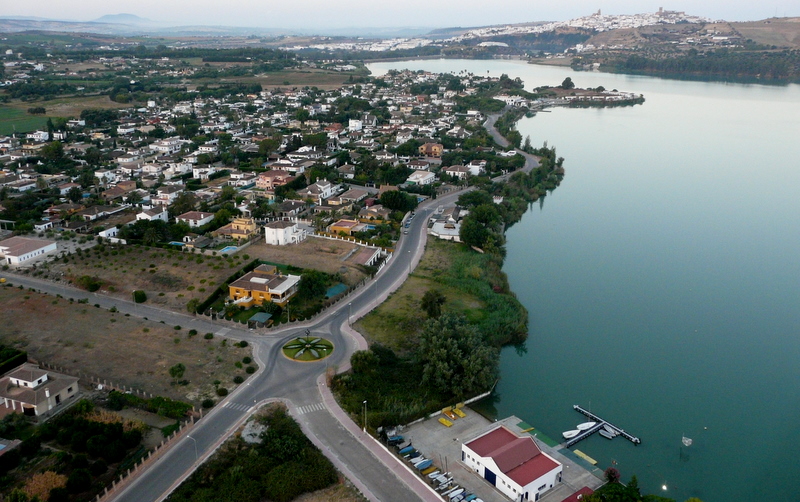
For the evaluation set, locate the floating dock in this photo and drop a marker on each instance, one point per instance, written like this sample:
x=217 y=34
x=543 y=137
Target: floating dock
x=600 y=424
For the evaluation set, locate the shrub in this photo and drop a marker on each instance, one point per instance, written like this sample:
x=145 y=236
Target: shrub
x=222 y=391
x=250 y=370
x=139 y=296
x=176 y=328
x=208 y=403
x=208 y=336
x=242 y=344
x=192 y=332
x=99 y=468
x=246 y=360
x=238 y=379
x=79 y=481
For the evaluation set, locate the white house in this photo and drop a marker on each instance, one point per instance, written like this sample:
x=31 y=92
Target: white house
x=514 y=465
x=157 y=213
x=17 y=250
x=318 y=191
x=166 y=146
x=195 y=218
x=421 y=178
x=33 y=391
x=282 y=232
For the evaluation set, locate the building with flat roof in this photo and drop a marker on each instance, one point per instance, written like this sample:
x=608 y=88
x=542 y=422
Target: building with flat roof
x=514 y=465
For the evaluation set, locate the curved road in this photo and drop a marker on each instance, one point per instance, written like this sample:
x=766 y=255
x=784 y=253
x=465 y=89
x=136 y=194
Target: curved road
x=376 y=472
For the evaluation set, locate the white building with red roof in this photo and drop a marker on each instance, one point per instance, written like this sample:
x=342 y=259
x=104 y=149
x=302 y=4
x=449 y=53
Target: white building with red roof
x=514 y=465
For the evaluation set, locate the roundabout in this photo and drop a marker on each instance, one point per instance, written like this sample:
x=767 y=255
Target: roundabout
x=307 y=348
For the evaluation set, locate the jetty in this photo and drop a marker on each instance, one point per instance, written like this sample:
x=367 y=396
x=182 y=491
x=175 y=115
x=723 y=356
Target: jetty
x=601 y=423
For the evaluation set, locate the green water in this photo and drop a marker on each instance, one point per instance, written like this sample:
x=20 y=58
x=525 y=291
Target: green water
x=663 y=281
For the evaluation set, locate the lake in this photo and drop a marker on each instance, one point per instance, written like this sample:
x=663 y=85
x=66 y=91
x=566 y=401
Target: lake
x=663 y=281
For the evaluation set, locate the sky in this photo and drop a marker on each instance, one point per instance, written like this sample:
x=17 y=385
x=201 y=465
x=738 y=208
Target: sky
x=312 y=14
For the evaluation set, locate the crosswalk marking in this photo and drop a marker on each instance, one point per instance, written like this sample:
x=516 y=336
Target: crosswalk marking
x=310 y=408
x=236 y=406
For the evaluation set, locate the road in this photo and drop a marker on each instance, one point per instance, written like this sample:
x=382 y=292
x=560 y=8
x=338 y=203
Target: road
x=297 y=384
x=378 y=474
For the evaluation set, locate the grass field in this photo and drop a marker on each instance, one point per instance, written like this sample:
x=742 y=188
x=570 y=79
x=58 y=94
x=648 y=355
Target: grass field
x=397 y=321
x=14 y=115
x=126 y=350
x=14 y=119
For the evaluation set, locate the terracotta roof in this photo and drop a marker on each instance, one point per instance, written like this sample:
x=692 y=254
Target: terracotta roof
x=518 y=457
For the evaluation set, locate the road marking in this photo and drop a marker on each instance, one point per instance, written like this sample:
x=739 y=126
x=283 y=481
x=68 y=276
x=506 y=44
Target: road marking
x=223 y=331
x=302 y=410
x=236 y=406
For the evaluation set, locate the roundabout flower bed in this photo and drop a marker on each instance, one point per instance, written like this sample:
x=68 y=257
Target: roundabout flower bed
x=308 y=348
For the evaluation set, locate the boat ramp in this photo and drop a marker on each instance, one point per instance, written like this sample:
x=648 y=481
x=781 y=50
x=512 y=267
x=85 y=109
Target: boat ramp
x=600 y=425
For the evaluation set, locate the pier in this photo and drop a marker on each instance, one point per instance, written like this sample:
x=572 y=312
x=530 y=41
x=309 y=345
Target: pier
x=600 y=425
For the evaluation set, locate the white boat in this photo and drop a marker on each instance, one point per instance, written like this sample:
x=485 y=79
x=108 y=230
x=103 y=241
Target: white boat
x=610 y=430
x=570 y=434
x=585 y=426
x=606 y=434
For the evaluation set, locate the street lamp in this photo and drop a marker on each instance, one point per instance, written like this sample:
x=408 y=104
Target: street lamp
x=365 y=415
x=349 y=312
x=196 y=457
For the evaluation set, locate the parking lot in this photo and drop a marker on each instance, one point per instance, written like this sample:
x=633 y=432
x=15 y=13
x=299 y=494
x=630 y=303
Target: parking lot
x=443 y=445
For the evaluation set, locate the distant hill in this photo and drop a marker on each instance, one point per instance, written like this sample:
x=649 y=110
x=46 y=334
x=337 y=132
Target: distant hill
x=123 y=19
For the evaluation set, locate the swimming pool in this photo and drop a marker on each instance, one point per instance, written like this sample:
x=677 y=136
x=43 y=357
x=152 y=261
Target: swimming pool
x=176 y=243
x=228 y=249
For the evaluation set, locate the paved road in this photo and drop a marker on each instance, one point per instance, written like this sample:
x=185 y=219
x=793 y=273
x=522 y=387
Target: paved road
x=378 y=474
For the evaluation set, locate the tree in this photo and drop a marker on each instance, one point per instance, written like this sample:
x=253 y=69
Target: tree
x=177 y=371
x=74 y=194
x=364 y=361
x=313 y=284
x=192 y=305
x=183 y=203
x=567 y=84
x=53 y=151
x=432 y=302
x=398 y=201
x=454 y=357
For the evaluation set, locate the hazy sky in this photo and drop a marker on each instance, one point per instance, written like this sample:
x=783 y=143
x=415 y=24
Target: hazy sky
x=378 y=13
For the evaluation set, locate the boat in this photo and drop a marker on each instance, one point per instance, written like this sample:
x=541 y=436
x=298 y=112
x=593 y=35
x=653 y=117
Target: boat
x=424 y=465
x=570 y=434
x=585 y=426
x=407 y=449
x=605 y=434
x=610 y=430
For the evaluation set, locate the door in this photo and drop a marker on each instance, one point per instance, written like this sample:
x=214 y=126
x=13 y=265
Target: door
x=490 y=476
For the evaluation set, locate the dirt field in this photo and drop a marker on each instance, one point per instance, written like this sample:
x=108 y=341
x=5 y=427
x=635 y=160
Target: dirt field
x=171 y=278
x=128 y=351
x=321 y=254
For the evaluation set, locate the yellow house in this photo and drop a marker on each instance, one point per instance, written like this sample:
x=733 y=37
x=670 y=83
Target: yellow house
x=346 y=227
x=264 y=284
x=239 y=229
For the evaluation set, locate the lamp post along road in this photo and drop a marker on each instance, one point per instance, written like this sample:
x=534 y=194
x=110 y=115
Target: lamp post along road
x=365 y=415
x=196 y=456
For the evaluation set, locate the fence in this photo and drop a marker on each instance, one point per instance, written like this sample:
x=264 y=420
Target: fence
x=152 y=455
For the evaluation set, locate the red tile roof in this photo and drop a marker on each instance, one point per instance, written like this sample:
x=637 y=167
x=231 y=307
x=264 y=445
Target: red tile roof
x=575 y=497
x=517 y=457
